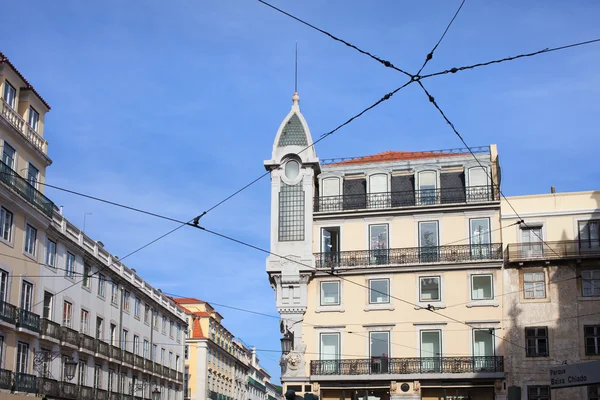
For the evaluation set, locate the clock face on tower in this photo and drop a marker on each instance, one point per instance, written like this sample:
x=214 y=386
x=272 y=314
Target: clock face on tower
x=292 y=169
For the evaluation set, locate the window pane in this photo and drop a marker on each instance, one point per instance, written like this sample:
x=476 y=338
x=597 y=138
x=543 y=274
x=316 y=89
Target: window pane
x=481 y=287
x=330 y=293
x=380 y=290
x=477 y=176
x=480 y=231
x=331 y=187
x=428 y=234
x=379 y=237
x=330 y=346
x=378 y=183
x=380 y=344
x=430 y=289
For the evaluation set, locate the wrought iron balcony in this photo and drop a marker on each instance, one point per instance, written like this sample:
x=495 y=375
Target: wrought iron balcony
x=86 y=393
x=148 y=364
x=50 y=329
x=564 y=249
x=165 y=371
x=8 y=313
x=128 y=357
x=115 y=353
x=25 y=189
x=49 y=387
x=179 y=377
x=409 y=255
x=157 y=368
x=415 y=365
x=5 y=379
x=138 y=361
x=102 y=348
x=28 y=320
x=101 y=394
x=25 y=382
x=172 y=374
x=87 y=342
x=114 y=396
x=412 y=198
x=69 y=336
x=69 y=390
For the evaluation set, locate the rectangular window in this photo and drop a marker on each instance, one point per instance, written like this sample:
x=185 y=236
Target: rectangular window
x=3 y=286
x=534 y=285
x=146 y=348
x=162 y=356
x=171 y=328
x=97 y=376
x=10 y=94
x=164 y=324
x=538 y=392
x=6 y=224
x=126 y=296
x=114 y=293
x=536 y=342
x=8 y=155
x=30 y=240
x=146 y=314
x=483 y=349
x=154 y=350
x=101 y=284
x=428 y=241
x=429 y=287
x=330 y=346
x=330 y=245
x=590 y=283
x=111 y=380
x=482 y=287
x=87 y=281
x=531 y=241
x=155 y=319
x=589 y=234
x=67 y=314
x=85 y=321
x=593 y=392
x=170 y=359
x=26 y=295
x=480 y=238
x=48 y=305
x=99 y=328
x=291 y=212
x=592 y=340
x=186 y=352
x=51 y=254
x=136 y=308
x=32 y=175
x=34 y=119
x=113 y=334
x=82 y=372
x=45 y=364
x=379 y=348
x=70 y=265
x=178 y=333
x=330 y=293
x=379 y=291
x=124 y=339
x=431 y=350
x=136 y=344
x=176 y=363
x=22 y=357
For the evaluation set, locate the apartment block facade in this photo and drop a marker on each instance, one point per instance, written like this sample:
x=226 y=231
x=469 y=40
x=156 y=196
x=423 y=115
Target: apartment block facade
x=391 y=268
x=551 y=290
x=64 y=299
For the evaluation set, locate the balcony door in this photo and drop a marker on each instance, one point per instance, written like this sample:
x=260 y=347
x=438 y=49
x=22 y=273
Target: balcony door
x=483 y=349
x=329 y=352
x=379 y=196
x=427 y=193
x=431 y=350
x=379 y=244
x=480 y=238
x=531 y=242
x=589 y=235
x=478 y=189
x=380 y=350
x=428 y=241
x=330 y=246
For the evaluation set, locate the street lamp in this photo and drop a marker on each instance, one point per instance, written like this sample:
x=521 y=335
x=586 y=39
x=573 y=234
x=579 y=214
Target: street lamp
x=287 y=342
x=70 y=367
x=156 y=394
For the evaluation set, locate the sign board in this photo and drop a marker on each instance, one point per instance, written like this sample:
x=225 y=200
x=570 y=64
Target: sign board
x=581 y=374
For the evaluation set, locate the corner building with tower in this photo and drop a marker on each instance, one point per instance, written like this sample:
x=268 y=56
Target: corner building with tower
x=390 y=271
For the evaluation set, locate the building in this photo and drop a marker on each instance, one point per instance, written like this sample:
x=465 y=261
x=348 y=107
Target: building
x=258 y=379
x=74 y=321
x=551 y=289
x=385 y=257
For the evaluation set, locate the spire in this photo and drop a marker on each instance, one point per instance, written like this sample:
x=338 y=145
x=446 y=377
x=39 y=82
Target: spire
x=296 y=97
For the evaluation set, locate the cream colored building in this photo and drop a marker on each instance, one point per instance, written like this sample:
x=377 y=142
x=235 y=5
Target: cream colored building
x=551 y=289
x=392 y=270
x=64 y=298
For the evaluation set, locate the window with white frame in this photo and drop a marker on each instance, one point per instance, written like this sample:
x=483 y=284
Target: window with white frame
x=146 y=314
x=378 y=196
x=155 y=319
x=30 y=240
x=6 y=224
x=34 y=118
x=85 y=321
x=101 y=284
x=3 y=285
x=330 y=346
x=10 y=94
x=67 y=314
x=99 y=328
x=51 y=254
x=22 y=357
x=427 y=189
x=482 y=287
x=330 y=293
x=26 y=295
x=70 y=265
x=534 y=285
x=379 y=291
x=478 y=189
x=162 y=356
x=590 y=283
x=330 y=199
x=48 y=305
x=113 y=334
x=429 y=288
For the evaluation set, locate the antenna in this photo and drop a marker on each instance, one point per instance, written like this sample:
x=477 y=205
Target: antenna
x=296 y=71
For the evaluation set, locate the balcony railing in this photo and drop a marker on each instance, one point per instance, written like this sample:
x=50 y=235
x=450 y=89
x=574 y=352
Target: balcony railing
x=165 y=371
x=28 y=320
x=102 y=348
x=115 y=353
x=69 y=336
x=409 y=255
x=87 y=342
x=139 y=361
x=179 y=376
x=23 y=127
x=157 y=368
x=553 y=250
x=128 y=357
x=49 y=387
x=69 y=390
x=86 y=393
x=114 y=396
x=212 y=395
x=416 y=365
x=25 y=189
x=5 y=379
x=101 y=394
x=8 y=313
x=50 y=328
x=148 y=364
x=412 y=198
x=25 y=382
x=173 y=374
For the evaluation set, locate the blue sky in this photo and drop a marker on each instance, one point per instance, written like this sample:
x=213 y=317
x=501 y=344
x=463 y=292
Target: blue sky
x=171 y=106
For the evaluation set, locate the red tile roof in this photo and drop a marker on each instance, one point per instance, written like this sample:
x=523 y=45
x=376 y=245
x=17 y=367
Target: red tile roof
x=387 y=156
x=197 y=330
x=4 y=59
x=187 y=300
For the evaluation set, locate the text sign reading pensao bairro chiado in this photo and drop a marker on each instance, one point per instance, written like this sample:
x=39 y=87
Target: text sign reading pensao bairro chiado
x=581 y=374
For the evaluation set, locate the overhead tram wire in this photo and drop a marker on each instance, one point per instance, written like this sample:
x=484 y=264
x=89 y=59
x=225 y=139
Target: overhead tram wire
x=430 y=54
x=378 y=59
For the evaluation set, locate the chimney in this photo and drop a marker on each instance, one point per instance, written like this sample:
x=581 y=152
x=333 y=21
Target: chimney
x=254 y=356
x=552 y=189
x=60 y=210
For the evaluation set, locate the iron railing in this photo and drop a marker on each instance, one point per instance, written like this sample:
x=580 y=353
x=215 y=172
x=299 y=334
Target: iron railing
x=49 y=387
x=114 y=396
x=172 y=374
x=86 y=392
x=5 y=379
x=50 y=328
x=553 y=250
x=28 y=320
x=69 y=390
x=87 y=342
x=148 y=364
x=8 y=312
x=212 y=395
x=69 y=336
x=101 y=394
x=409 y=255
x=157 y=368
x=25 y=382
x=25 y=189
x=179 y=376
x=102 y=348
x=138 y=361
x=165 y=371
x=411 y=198
x=115 y=353
x=128 y=357
x=415 y=365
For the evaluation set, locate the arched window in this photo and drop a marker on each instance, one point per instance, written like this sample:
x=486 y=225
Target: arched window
x=330 y=195
x=378 y=196
x=427 y=193
x=478 y=189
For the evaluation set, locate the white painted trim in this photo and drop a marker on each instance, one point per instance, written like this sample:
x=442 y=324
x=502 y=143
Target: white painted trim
x=436 y=303
x=330 y=308
x=426 y=328
x=332 y=330
x=553 y=213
